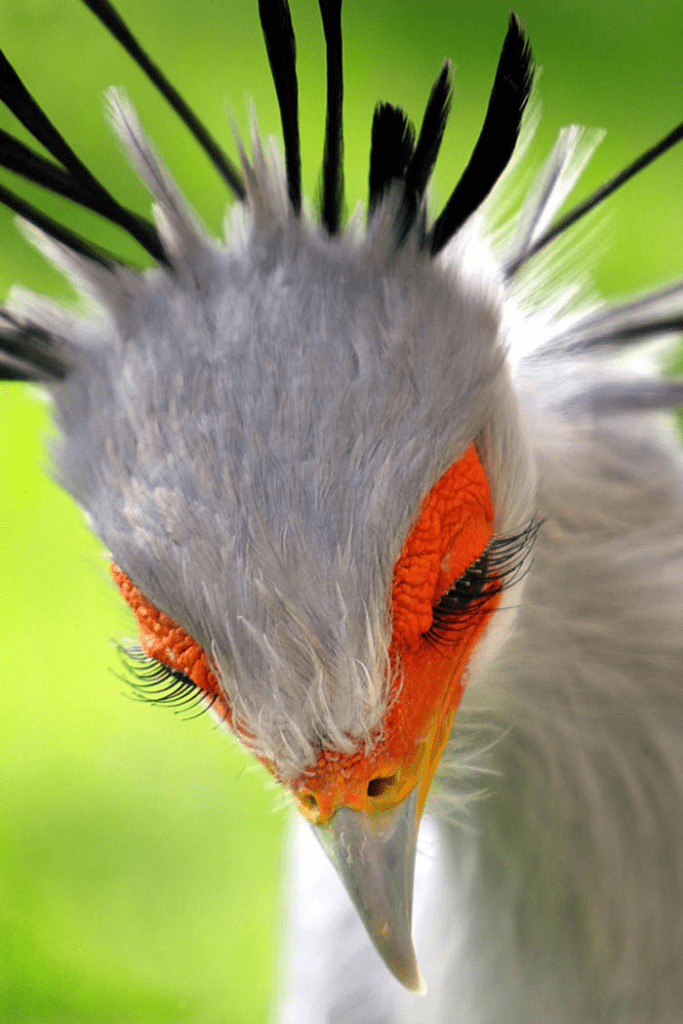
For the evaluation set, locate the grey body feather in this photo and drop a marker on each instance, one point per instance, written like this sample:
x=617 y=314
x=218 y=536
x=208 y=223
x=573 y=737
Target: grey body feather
x=251 y=436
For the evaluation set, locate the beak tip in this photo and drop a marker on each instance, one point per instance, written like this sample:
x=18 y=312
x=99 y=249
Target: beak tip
x=412 y=978
x=415 y=982
x=375 y=859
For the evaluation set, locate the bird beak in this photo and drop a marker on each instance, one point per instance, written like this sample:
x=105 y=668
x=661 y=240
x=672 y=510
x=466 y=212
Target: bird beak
x=374 y=855
x=373 y=851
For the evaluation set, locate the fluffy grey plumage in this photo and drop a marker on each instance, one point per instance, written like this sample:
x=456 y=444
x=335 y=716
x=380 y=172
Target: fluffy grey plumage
x=348 y=377
x=251 y=434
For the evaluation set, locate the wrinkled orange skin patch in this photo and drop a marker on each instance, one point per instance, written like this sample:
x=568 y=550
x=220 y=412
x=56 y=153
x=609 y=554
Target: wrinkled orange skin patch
x=162 y=638
x=453 y=527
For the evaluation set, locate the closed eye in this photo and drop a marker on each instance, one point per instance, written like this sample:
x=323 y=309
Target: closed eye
x=155 y=683
x=503 y=562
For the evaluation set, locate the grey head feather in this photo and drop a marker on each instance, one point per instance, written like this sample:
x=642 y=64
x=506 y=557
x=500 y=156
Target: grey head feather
x=252 y=432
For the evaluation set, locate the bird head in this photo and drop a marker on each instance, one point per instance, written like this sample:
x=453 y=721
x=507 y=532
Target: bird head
x=322 y=561
x=302 y=449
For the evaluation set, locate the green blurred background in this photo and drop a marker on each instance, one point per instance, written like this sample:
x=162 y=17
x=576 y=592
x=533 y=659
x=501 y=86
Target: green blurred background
x=140 y=855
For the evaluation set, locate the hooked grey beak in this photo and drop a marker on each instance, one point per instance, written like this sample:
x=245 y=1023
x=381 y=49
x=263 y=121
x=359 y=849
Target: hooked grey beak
x=374 y=855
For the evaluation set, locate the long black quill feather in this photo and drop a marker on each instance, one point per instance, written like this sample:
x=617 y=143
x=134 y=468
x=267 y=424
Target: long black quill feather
x=57 y=231
x=431 y=132
x=278 y=33
x=78 y=183
x=333 y=171
x=597 y=197
x=497 y=139
x=28 y=352
x=421 y=163
x=391 y=149
x=112 y=21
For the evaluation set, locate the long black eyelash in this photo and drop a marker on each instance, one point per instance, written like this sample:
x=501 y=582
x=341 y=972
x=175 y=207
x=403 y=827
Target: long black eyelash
x=155 y=683
x=504 y=562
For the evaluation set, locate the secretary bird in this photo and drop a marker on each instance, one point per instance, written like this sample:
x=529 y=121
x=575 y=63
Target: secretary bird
x=387 y=500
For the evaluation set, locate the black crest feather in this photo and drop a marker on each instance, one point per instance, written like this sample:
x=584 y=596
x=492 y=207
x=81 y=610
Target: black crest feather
x=28 y=353
x=56 y=230
x=72 y=179
x=276 y=22
x=497 y=139
x=597 y=197
x=113 y=22
x=431 y=132
x=395 y=156
x=333 y=171
x=426 y=150
x=391 y=150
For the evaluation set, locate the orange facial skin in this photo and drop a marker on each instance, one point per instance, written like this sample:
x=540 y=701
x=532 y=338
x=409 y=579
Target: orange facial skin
x=162 y=638
x=452 y=530
x=453 y=527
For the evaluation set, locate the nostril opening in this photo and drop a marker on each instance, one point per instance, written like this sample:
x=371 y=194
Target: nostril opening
x=378 y=787
x=309 y=801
